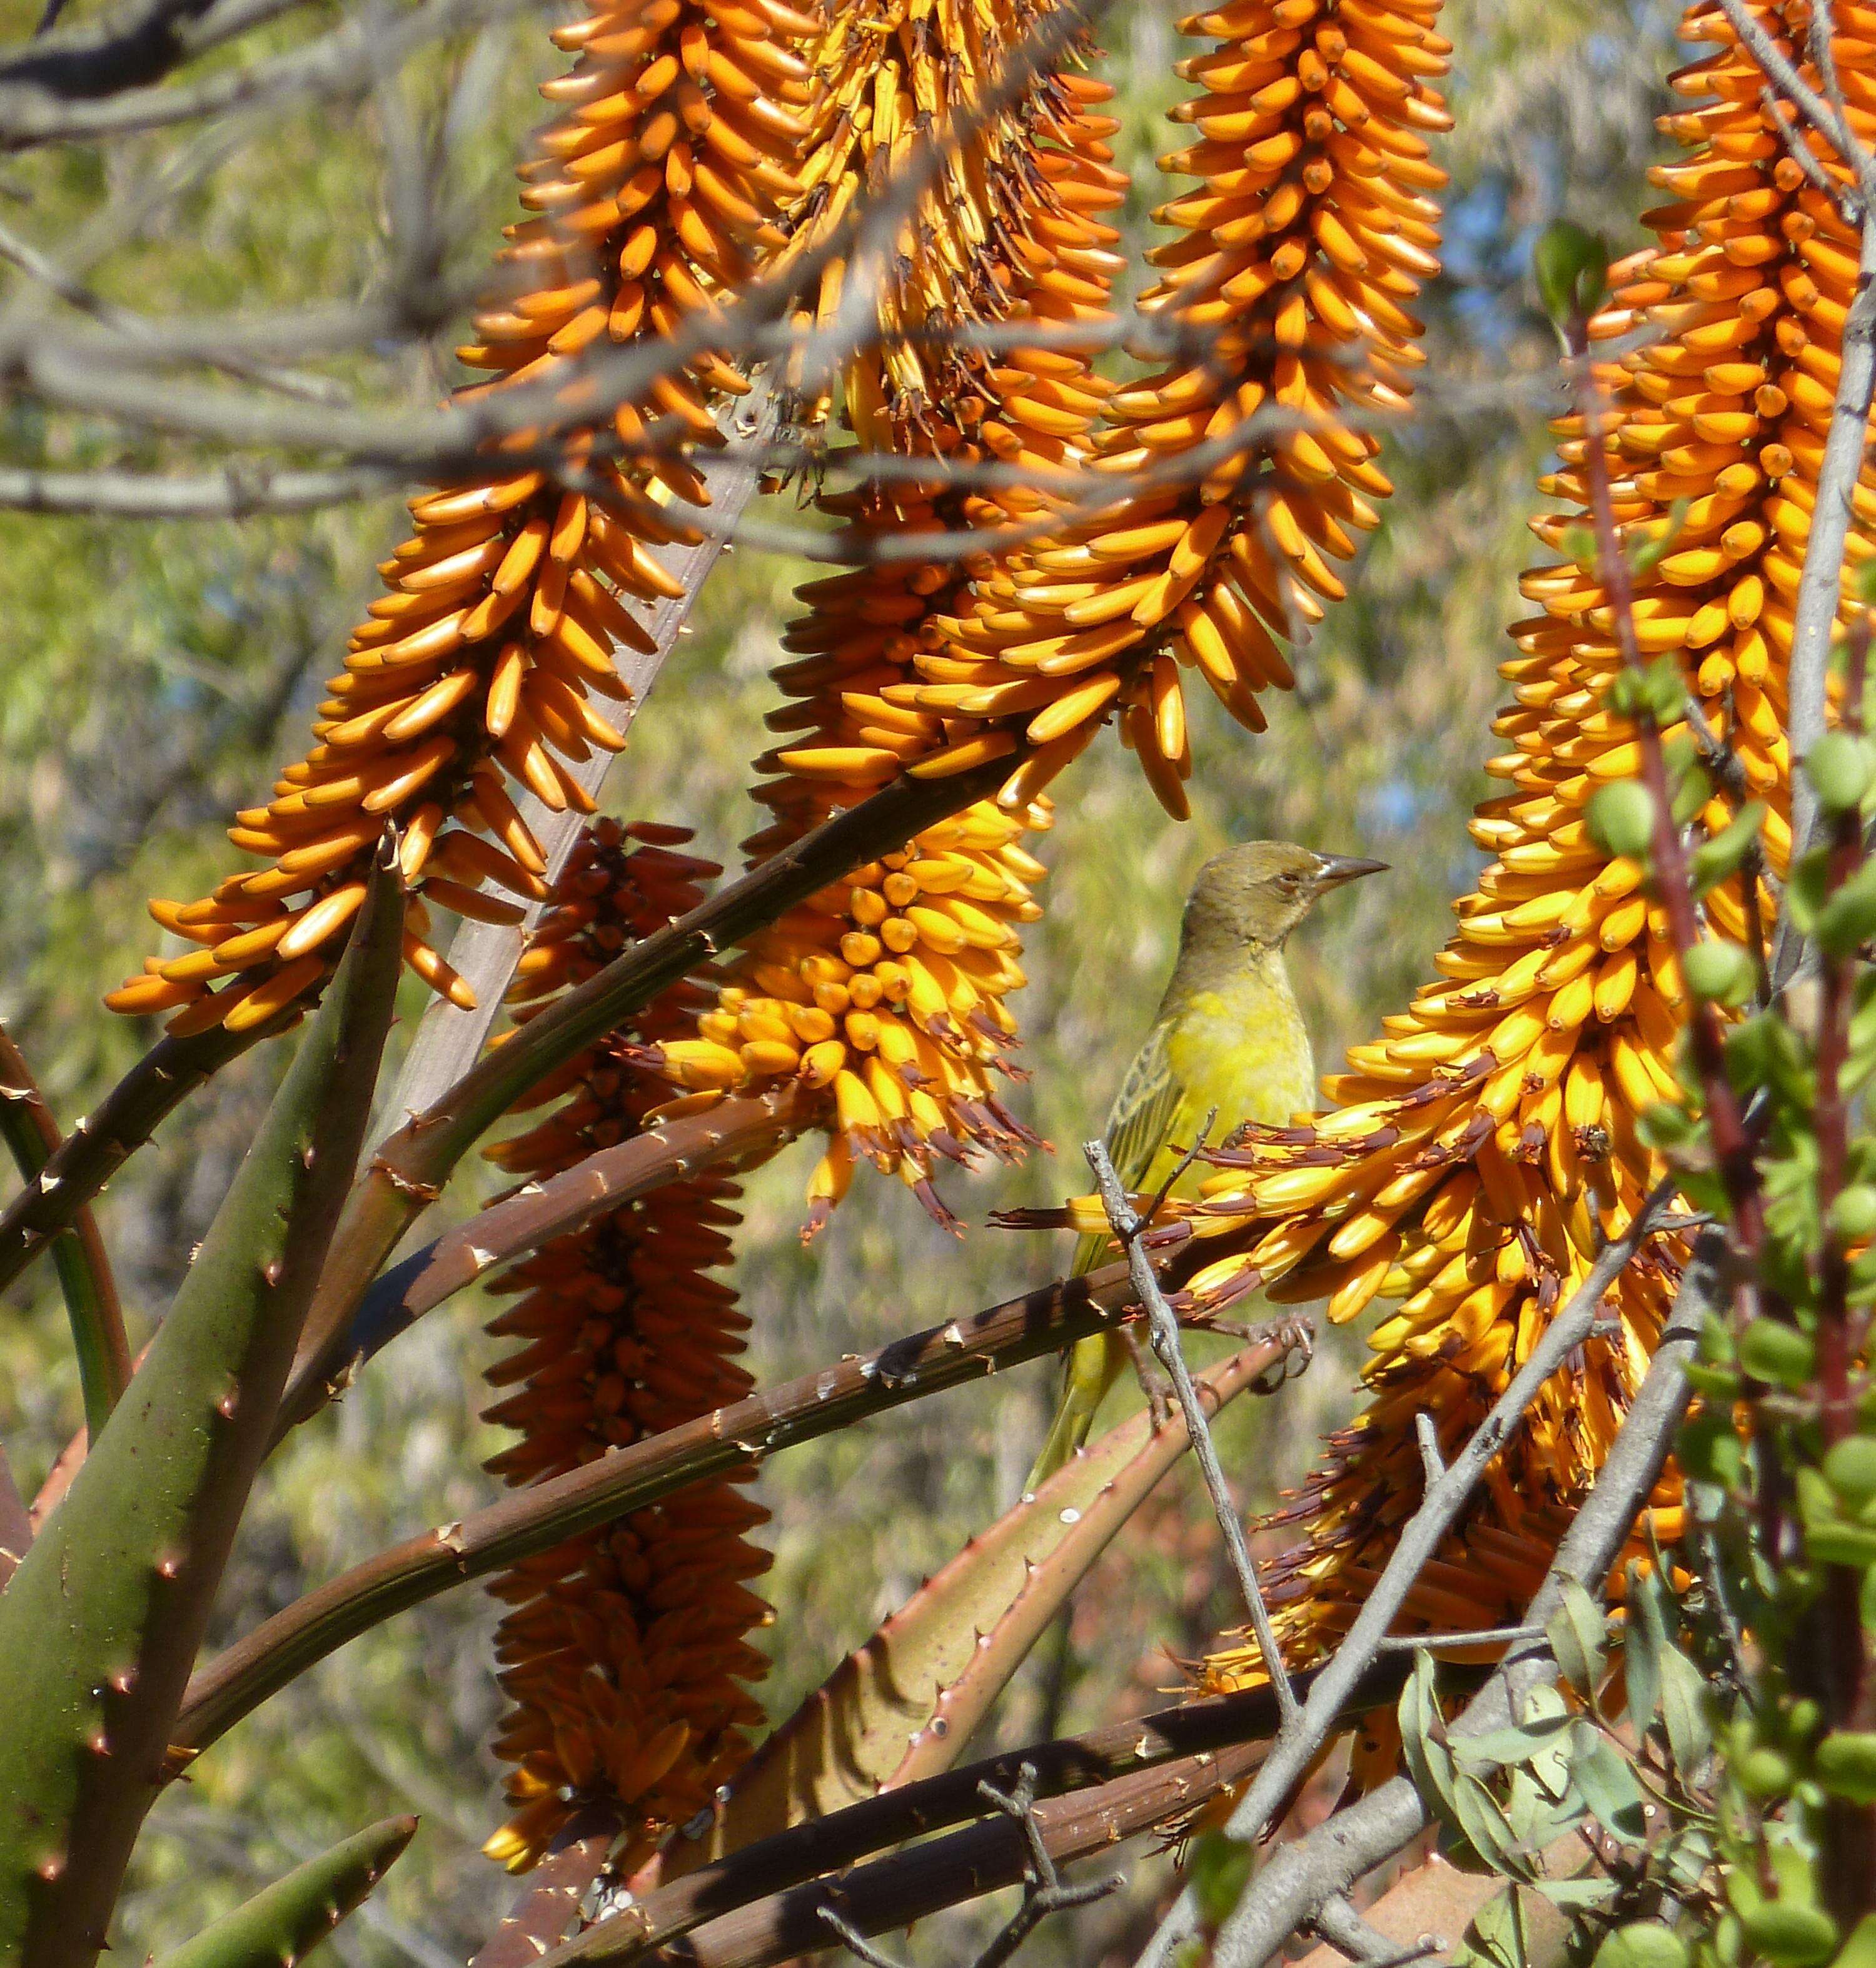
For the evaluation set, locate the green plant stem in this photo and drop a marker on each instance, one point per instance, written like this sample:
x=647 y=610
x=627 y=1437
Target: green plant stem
x=734 y=1438
x=102 y=1621
x=409 y=1169
x=99 y=1146
x=77 y=1252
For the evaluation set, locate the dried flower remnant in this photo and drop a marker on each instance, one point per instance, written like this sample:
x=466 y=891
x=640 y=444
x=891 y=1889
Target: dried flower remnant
x=623 y=1651
x=1487 y=1142
x=654 y=193
x=1310 y=234
x=888 y=989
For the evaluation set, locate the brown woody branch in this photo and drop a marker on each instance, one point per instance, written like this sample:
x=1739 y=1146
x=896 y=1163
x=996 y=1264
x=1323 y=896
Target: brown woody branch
x=733 y=1131
x=732 y=1438
x=818 y=1845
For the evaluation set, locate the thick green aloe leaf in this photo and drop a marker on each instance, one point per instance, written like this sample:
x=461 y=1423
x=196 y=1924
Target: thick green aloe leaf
x=100 y=1623
x=905 y=1705
x=284 y=1922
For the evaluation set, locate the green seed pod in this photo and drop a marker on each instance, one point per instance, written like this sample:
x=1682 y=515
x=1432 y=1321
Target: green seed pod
x=1770 y=1350
x=1839 y=769
x=1621 y=818
x=1789 y=1936
x=1645 y=1943
x=1853 y=1214
x=1846 y=1766
x=1850 y=1469
x=1720 y=972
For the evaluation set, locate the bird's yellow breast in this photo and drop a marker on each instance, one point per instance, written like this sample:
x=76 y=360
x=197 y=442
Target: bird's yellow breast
x=1244 y=1048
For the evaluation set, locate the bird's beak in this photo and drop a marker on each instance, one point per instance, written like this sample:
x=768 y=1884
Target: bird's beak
x=1337 y=869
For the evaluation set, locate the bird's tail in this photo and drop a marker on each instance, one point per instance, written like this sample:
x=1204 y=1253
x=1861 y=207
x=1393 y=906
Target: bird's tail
x=1091 y=1366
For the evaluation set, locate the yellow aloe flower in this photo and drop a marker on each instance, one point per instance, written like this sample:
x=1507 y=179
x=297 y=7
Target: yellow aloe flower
x=1485 y=1145
x=654 y=193
x=1298 y=255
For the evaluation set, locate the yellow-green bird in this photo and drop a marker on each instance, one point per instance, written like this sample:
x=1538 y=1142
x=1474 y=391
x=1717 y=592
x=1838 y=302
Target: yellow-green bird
x=1228 y=1036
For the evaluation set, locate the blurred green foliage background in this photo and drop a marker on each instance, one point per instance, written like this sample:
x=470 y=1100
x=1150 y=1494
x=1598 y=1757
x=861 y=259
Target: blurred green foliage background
x=151 y=675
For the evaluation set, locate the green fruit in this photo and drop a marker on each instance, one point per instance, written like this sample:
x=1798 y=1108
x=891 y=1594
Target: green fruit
x=1647 y=1943
x=1621 y=818
x=1771 y=1350
x=1790 y=1936
x=1850 y=1469
x=1846 y=1766
x=1763 y=1773
x=1720 y=972
x=1853 y=1214
x=1839 y=769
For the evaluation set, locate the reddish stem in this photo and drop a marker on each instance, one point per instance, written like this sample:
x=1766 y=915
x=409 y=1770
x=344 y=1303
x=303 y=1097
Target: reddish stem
x=1732 y=1143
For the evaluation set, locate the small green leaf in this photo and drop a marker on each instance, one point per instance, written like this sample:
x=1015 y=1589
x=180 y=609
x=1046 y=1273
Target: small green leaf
x=1720 y=972
x=1683 y=1709
x=1609 y=1788
x=1493 y=1938
x=1643 y=1943
x=1788 y=1936
x=1849 y=1467
x=1218 y=1871
x=1721 y=857
x=1773 y=1351
x=1578 y=1634
x=1839 y=767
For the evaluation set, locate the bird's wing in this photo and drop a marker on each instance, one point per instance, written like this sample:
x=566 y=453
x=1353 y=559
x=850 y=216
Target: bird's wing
x=1143 y=1110
x=1138 y=1125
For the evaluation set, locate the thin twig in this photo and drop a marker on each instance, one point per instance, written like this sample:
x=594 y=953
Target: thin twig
x=1476 y=1636
x=740 y=1436
x=1043 y=1893
x=1345 y=1930
x=1126 y=1224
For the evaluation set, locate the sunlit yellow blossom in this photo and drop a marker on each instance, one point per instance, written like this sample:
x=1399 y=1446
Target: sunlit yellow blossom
x=654 y=193
x=1486 y=1144
x=1308 y=236
x=886 y=989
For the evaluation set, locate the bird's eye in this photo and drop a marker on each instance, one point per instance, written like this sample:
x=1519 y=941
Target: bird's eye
x=1287 y=883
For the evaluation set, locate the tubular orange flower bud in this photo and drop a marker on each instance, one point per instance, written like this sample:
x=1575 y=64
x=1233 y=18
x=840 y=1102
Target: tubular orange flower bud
x=1298 y=255
x=1487 y=1144
x=654 y=192
x=623 y=1650
x=887 y=990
